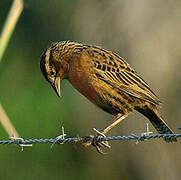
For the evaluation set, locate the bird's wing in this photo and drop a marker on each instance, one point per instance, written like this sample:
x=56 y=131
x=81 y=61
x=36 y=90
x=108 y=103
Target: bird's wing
x=115 y=71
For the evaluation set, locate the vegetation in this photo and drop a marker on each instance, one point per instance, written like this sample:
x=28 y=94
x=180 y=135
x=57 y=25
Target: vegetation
x=146 y=33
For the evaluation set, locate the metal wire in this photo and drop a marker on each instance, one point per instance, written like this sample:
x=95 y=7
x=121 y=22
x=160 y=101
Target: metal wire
x=61 y=139
x=20 y=141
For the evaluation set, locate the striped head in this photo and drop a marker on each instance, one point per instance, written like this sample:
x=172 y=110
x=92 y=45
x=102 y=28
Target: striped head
x=54 y=66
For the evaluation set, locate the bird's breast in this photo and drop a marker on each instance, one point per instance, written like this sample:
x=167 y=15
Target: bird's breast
x=81 y=79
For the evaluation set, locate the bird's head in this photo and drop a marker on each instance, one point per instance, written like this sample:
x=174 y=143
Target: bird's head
x=54 y=65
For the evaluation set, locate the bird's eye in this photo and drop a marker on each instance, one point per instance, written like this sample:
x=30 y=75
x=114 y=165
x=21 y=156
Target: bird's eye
x=52 y=73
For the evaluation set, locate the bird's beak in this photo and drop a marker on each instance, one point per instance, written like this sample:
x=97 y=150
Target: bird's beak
x=56 y=86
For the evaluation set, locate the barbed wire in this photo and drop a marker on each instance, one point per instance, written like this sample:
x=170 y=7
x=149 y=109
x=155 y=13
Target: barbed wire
x=147 y=135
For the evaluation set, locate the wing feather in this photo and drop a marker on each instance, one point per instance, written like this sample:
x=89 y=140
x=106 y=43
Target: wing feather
x=121 y=76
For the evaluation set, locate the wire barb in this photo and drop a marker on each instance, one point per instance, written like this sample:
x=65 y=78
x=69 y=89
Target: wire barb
x=59 y=138
x=20 y=142
x=141 y=136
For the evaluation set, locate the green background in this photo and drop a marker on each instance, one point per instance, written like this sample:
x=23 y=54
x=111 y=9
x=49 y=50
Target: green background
x=145 y=33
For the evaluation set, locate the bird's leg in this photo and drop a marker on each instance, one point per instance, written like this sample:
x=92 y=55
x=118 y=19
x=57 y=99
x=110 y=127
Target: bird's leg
x=116 y=120
x=96 y=138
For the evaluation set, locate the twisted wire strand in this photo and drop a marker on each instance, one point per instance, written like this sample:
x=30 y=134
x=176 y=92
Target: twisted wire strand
x=147 y=135
x=139 y=137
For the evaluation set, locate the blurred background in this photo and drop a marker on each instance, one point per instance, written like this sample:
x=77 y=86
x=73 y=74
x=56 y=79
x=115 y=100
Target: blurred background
x=145 y=33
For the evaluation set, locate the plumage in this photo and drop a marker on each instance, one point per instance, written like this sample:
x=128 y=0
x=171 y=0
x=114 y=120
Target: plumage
x=103 y=77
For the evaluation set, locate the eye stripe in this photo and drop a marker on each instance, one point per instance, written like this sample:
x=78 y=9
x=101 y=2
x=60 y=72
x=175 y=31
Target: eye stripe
x=43 y=63
x=47 y=57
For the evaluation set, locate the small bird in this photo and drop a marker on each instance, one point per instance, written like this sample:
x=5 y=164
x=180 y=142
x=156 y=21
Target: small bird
x=104 y=78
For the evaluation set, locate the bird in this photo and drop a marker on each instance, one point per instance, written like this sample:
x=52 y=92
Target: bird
x=105 y=79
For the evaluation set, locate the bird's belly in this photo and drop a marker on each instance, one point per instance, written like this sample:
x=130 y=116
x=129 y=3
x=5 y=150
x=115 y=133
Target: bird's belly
x=104 y=97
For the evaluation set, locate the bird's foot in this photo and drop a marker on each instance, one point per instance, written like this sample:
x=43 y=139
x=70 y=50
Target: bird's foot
x=95 y=140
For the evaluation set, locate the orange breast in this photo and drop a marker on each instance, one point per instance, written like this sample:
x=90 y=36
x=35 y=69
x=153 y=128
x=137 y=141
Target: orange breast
x=80 y=78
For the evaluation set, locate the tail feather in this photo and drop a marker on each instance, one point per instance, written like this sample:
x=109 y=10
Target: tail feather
x=153 y=115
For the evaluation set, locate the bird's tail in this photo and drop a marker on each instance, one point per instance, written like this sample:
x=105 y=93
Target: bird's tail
x=154 y=116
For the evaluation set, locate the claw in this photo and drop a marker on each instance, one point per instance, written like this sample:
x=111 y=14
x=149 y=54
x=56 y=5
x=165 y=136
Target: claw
x=95 y=141
x=100 y=134
x=99 y=150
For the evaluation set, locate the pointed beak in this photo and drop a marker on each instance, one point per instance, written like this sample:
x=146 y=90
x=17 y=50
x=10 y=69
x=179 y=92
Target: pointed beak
x=56 y=86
